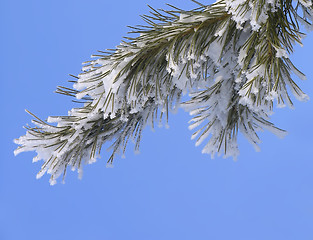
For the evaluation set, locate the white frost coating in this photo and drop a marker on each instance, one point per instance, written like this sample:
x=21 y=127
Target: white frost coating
x=184 y=17
x=280 y=52
x=189 y=18
x=217 y=114
x=215 y=51
x=52 y=182
x=109 y=165
x=308 y=26
x=172 y=66
x=281 y=105
x=272 y=95
x=296 y=71
x=306 y=3
x=220 y=32
x=242 y=55
x=240 y=14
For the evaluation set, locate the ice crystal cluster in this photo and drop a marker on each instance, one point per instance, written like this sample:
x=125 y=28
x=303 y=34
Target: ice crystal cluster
x=231 y=57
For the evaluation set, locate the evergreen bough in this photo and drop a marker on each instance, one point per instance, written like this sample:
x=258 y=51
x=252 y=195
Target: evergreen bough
x=232 y=57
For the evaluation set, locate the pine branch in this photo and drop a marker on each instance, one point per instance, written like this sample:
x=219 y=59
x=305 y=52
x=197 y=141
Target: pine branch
x=232 y=57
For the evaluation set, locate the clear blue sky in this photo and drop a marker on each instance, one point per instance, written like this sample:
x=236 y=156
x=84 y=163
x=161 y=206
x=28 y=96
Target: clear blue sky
x=169 y=191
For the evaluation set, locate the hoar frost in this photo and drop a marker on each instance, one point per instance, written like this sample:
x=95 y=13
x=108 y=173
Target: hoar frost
x=229 y=58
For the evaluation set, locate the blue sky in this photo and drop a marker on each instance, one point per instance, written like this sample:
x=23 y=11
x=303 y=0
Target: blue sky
x=170 y=190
